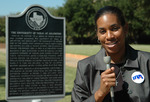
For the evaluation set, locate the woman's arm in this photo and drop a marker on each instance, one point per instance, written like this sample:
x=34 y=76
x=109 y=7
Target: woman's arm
x=81 y=91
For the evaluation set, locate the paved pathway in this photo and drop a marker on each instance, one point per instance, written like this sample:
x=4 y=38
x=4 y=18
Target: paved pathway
x=2 y=48
x=71 y=59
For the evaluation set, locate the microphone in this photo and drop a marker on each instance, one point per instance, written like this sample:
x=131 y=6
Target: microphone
x=107 y=60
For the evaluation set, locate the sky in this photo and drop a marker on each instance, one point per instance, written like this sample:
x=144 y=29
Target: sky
x=14 y=6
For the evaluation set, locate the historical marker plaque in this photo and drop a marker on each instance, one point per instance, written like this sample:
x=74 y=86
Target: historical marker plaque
x=35 y=54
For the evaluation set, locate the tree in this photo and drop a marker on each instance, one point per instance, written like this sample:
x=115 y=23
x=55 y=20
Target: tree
x=79 y=18
x=137 y=15
x=53 y=11
x=2 y=26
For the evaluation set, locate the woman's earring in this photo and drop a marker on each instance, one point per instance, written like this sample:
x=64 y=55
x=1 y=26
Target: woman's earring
x=98 y=41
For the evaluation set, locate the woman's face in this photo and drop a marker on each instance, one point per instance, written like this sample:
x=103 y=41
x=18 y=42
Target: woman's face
x=111 y=33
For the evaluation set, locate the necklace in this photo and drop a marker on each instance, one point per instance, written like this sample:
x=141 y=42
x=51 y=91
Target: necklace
x=118 y=71
x=118 y=77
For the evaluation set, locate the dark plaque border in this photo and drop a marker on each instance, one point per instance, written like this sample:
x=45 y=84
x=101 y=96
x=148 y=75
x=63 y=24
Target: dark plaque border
x=26 y=39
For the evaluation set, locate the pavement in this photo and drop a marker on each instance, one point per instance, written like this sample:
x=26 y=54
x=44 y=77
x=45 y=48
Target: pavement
x=71 y=59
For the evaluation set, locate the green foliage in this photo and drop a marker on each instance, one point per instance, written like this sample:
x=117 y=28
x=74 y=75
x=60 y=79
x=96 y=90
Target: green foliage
x=79 y=18
x=2 y=39
x=53 y=11
x=80 y=26
x=2 y=26
x=137 y=16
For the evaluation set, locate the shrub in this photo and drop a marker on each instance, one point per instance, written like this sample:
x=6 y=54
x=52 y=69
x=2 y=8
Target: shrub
x=2 y=39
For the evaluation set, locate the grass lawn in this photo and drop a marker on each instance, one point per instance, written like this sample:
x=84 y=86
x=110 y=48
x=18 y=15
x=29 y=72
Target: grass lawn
x=70 y=72
x=2 y=75
x=69 y=79
x=93 y=49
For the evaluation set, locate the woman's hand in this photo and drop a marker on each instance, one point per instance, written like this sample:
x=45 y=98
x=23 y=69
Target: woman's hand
x=107 y=80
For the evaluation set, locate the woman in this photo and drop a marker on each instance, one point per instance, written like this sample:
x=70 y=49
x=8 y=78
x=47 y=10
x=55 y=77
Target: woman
x=130 y=69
